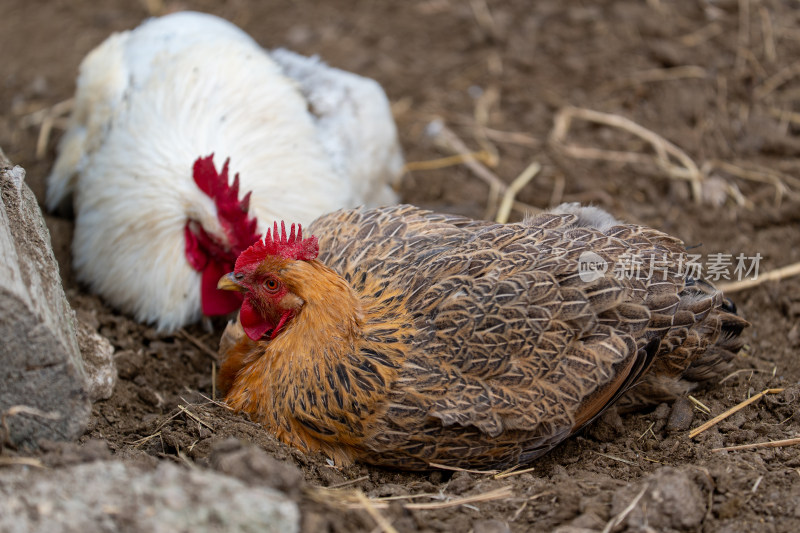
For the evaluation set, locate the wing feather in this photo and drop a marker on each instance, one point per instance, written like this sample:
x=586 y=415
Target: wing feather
x=514 y=349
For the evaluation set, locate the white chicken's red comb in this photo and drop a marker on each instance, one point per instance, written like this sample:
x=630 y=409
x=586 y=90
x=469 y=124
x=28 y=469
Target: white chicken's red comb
x=292 y=246
x=231 y=212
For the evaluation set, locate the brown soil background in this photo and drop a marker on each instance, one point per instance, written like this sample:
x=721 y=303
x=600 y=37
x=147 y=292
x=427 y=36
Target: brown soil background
x=737 y=104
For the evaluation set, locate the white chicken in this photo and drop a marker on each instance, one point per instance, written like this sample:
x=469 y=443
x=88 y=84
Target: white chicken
x=154 y=221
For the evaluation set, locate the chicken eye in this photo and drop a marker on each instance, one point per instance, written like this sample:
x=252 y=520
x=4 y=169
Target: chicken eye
x=272 y=284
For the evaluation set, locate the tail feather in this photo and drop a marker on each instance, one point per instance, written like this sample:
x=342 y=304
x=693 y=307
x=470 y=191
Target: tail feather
x=100 y=90
x=717 y=357
x=61 y=181
x=694 y=353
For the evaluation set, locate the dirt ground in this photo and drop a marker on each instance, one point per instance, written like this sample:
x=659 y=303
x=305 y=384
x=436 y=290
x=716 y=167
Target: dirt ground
x=719 y=79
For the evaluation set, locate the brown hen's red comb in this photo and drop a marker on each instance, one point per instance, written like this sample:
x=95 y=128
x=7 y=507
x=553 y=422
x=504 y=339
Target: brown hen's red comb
x=293 y=246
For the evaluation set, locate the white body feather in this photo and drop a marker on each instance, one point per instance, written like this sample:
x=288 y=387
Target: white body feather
x=588 y=216
x=306 y=139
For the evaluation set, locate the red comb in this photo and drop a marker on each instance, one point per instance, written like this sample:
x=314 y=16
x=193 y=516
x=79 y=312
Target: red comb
x=293 y=246
x=231 y=212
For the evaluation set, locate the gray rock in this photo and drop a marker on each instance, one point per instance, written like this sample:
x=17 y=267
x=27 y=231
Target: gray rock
x=114 y=496
x=40 y=363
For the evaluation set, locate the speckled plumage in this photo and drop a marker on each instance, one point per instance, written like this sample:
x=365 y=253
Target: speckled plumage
x=468 y=343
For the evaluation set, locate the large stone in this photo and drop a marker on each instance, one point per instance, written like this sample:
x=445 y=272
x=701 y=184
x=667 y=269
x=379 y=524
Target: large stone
x=116 y=496
x=44 y=392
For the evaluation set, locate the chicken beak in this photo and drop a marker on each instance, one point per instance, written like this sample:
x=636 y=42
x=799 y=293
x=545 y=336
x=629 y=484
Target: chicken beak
x=228 y=283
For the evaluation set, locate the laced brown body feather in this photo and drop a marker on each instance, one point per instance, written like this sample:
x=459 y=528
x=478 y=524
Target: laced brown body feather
x=428 y=338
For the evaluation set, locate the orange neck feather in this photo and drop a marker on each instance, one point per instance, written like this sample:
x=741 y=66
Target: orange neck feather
x=286 y=377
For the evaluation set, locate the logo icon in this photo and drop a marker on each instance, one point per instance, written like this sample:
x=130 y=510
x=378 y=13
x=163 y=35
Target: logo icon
x=591 y=267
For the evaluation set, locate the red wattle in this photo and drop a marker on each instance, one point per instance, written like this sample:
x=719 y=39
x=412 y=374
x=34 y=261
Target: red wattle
x=215 y=301
x=194 y=252
x=284 y=319
x=253 y=323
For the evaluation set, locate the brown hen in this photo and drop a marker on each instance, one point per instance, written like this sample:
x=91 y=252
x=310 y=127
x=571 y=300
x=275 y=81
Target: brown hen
x=418 y=338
